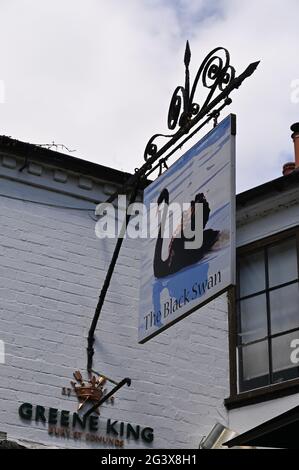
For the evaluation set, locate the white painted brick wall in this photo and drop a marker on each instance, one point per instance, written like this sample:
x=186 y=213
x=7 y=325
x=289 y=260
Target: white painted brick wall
x=51 y=271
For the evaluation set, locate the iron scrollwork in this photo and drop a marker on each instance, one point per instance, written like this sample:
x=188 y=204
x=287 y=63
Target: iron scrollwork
x=215 y=73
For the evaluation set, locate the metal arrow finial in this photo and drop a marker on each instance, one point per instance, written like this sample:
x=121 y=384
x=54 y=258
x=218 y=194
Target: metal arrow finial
x=252 y=67
x=187 y=55
x=247 y=73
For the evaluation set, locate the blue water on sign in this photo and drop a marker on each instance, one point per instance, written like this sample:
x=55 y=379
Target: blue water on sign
x=176 y=283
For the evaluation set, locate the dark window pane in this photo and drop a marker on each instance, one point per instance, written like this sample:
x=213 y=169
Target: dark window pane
x=252 y=273
x=284 y=306
x=253 y=316
x=281 y=357
x=247 y=385
x=283 y=265
x=255 y=360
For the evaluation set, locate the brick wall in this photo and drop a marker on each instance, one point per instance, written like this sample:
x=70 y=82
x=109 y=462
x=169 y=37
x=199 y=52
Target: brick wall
x=52 y=267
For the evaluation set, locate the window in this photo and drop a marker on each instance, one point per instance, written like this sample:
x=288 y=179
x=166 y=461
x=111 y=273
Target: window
x=267 y=305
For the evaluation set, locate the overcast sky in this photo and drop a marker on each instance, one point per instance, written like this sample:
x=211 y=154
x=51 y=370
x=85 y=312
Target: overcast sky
x=98 y=75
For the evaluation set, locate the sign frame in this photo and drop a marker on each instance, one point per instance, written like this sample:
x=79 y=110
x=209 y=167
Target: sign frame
x=143 y=338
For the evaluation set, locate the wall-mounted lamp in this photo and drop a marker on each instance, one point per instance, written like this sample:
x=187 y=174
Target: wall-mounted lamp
x=217 y=437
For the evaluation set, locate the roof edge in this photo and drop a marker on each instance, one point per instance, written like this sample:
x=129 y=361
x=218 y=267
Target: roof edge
x=34 y=152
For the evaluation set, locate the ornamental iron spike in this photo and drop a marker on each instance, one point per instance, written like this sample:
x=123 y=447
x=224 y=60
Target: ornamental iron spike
x=187 y=56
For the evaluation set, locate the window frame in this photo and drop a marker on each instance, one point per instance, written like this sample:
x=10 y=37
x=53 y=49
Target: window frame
x=272 y=390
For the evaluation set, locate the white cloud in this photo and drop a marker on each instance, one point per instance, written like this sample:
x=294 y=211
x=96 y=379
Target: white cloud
x=98 y=76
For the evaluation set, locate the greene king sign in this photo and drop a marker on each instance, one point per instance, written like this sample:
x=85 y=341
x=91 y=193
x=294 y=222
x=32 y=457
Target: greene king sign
x=73 y=426
x=188 y=265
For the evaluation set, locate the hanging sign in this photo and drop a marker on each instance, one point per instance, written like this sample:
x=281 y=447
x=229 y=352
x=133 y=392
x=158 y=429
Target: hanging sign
x=189 y=248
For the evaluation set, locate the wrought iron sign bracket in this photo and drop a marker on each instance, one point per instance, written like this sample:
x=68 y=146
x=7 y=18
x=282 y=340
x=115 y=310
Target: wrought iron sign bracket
x=215 y=74
x=123 y=382
x=91 y=338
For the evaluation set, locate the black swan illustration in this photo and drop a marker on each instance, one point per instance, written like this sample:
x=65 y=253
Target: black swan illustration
x=178 y=256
